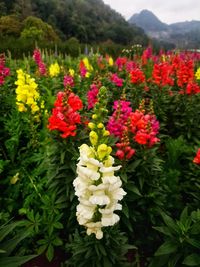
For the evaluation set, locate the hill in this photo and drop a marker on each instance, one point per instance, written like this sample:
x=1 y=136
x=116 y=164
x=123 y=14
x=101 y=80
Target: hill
x=87 y=20
x=183 y=34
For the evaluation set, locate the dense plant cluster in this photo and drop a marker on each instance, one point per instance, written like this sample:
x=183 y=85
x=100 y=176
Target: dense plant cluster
x=100 y=159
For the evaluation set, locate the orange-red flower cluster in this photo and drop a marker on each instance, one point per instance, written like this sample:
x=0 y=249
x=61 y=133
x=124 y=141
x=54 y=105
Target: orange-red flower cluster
x=145 y=127
x=137 y=76
x=65 y=116
x=185 y=73
x=197 y=157
x=162 y=74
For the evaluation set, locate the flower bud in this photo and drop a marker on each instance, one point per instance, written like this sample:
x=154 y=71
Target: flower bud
x=91 y=125
x=93 y=138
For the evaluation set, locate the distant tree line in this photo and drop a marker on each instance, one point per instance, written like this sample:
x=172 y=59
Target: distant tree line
x=87 y=20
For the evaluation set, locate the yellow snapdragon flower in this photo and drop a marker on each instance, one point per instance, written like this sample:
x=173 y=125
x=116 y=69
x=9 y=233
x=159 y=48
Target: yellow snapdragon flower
x=71 y=72
x=110 y=61
x=54 y=70
x=87 y=64
x=27 y=93
x=197 y=74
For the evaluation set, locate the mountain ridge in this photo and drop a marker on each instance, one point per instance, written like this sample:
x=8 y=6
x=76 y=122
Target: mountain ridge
x=184 y=34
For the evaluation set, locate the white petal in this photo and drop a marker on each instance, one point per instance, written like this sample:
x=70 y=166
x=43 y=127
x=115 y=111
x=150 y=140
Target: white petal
x=109 y=220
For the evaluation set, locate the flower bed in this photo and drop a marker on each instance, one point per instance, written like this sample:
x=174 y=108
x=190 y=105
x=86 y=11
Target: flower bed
x=100 y=157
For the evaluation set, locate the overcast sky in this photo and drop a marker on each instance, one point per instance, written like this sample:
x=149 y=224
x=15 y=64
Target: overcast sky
x=168 y=11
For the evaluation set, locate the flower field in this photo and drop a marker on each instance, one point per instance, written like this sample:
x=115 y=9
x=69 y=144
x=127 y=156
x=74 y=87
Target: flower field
x=100 y=159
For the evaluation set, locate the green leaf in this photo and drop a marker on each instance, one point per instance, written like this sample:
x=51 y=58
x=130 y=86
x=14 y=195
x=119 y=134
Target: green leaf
x=192 y=260
x=124 y=177
x=195 y=243
x=195 y=229
x=50 y=252
x=170 y=223
x=6 y=229
x=166 y=248
x=163 y=229
x=41 y=249
x=102 y=249
x=131 y=187
x=57 y=242
x=11 y=244
x=125 y=210
x=159 y=261
x=184 y=215
x=133 y=165
x=58 y=225
x=15 y=261
x=173 y=260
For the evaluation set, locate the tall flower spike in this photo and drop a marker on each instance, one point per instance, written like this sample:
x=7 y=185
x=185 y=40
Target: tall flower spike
x=96 y=186
x=27 y=92
x=64 y=116
x=4 y=72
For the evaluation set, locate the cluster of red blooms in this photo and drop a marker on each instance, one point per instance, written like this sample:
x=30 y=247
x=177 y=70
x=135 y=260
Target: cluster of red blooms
x=116 y=80
x=64 y=115
x=184 y=69
x=121 y=62
x=141 y=125
x=145 y=127
x=197 y=157
x=192 y=88
x=38 y=60
x=137 y=76
x=185 y=73
x=124 y=150
x=162 y=74
x=4 y=72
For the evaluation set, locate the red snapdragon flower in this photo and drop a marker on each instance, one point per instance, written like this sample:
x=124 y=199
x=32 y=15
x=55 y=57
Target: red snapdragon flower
x=68 y=81
x=192 y=88
x=116 y=80
x=137 y=76
x=64 y=116
x=38 y=60
x=124 y=152
x=121 y=62
x=196 y=159
x=144 y=127
x=4 y=72
x=82 y=69
x=162 y=74
x=185 y=73
x=92 y=96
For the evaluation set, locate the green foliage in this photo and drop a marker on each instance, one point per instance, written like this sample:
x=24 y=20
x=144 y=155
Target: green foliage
x=38 y=167
x=181 y=246
x=39 y=29
x=88 y=251
x=7 y=246
x=10 y=26
x=88 y=21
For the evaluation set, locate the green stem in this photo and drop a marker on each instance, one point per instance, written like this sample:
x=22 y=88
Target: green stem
x=34 y=186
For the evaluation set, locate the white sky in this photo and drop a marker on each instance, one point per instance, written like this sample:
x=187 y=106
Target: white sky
x=168 y=11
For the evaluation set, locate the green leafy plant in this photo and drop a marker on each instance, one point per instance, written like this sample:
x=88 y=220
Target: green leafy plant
x=181 y=246
x=8 y=245
x=107 y=252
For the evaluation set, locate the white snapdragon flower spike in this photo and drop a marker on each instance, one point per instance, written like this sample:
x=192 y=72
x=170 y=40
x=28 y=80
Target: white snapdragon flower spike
x=98 y=191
